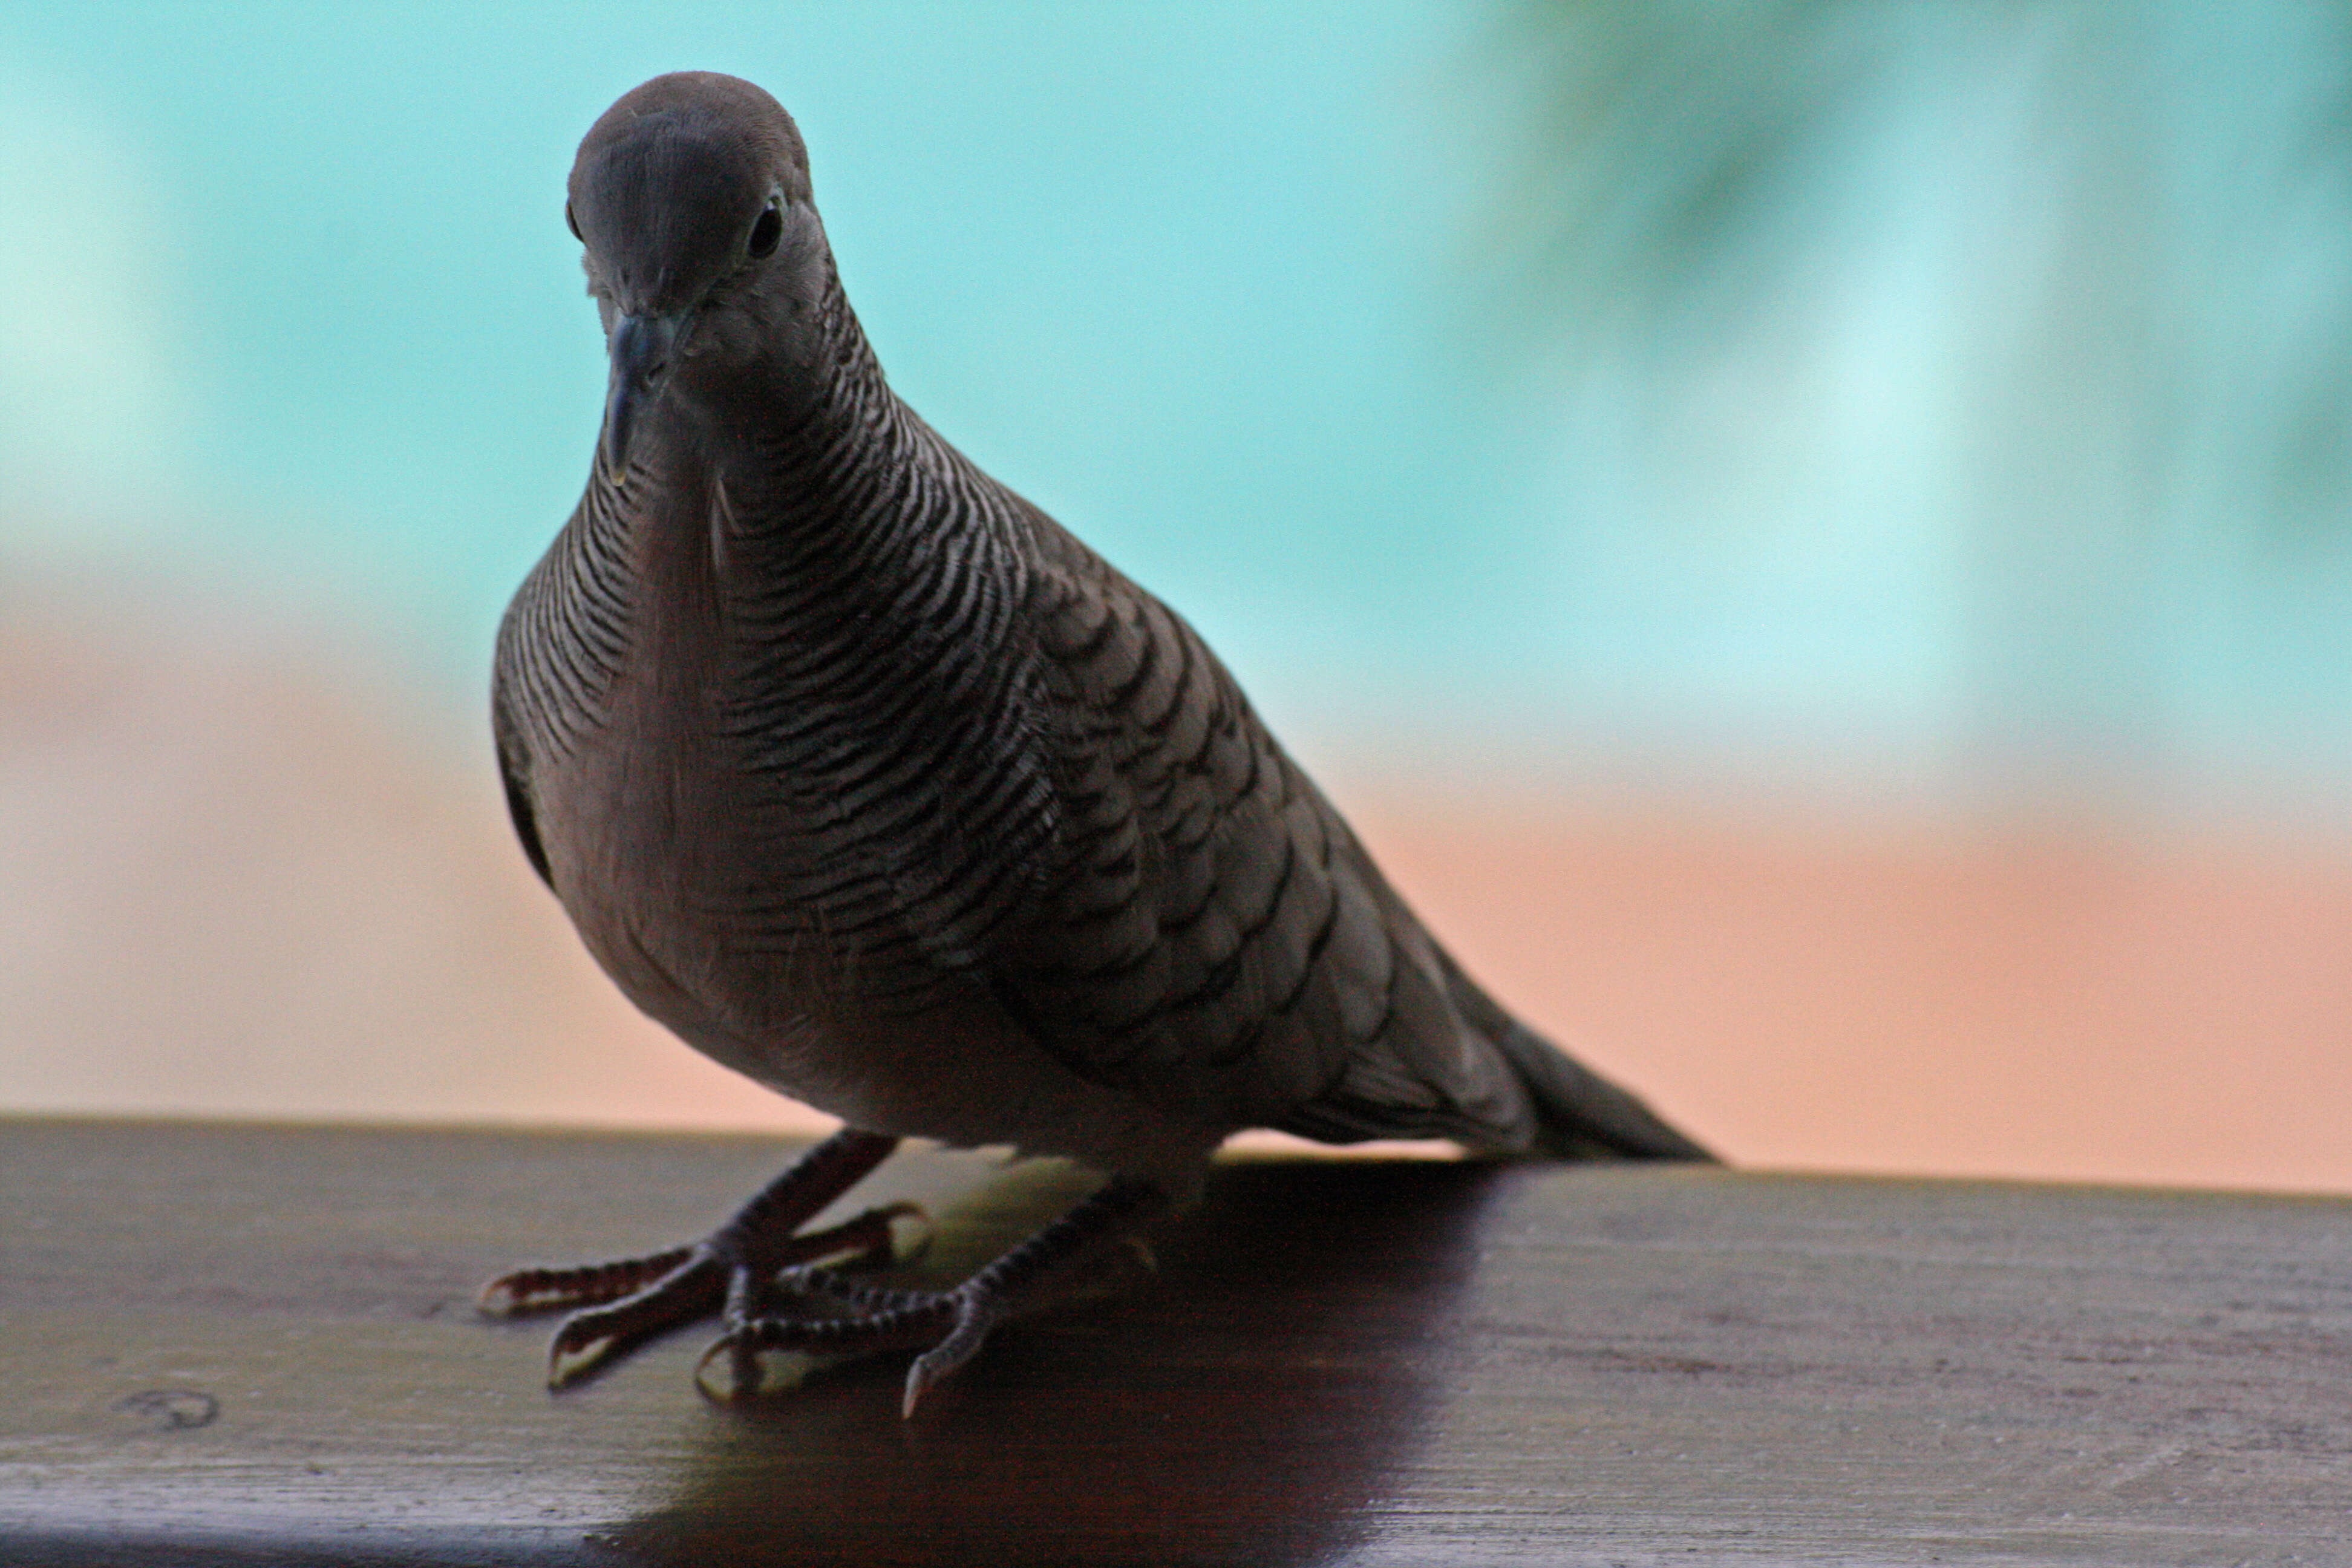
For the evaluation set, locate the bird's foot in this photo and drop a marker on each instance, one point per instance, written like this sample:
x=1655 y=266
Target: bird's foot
x=618 y=1306
x=851 y=1320
x=698 y=1281
x=818 y=1315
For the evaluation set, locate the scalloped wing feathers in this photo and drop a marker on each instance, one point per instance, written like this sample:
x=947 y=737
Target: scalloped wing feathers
x=1219 y=941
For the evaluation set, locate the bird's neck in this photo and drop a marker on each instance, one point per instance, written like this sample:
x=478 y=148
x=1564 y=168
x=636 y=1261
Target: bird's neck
x=823 y=477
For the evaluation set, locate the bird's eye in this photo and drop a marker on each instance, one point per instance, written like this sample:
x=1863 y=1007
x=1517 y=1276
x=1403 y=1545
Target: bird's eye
x=767 y=231
x=573 y=224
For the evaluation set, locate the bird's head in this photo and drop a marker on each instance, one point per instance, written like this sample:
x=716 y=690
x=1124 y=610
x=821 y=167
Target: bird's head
x=691 y=198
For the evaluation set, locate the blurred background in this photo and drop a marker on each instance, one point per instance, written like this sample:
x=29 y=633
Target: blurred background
x=1811 y=537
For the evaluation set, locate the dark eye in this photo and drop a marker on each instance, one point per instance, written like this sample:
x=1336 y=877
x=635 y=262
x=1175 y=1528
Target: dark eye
x=573 y=224
x=767 y=232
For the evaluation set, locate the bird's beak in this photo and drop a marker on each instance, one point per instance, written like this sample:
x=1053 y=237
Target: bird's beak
x=641 y=349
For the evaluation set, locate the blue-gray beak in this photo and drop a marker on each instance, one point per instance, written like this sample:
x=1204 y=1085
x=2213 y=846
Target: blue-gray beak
x=641 y=349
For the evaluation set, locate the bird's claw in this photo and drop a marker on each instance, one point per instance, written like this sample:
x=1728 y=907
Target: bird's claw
x=765 y=1351
x=523 y=1292
x=856 y=1319
x=623 y=1303
x=588 y=1340
x=977 y=1312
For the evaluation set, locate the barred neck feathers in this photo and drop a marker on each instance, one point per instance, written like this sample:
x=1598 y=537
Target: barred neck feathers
x=869 y=580
x=567 y=636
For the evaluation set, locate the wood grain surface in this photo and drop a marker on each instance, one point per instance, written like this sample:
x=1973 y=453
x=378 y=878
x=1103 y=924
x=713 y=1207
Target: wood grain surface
x=243 y=1344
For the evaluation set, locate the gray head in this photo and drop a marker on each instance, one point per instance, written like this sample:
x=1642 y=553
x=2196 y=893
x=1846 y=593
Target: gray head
x=691 y=196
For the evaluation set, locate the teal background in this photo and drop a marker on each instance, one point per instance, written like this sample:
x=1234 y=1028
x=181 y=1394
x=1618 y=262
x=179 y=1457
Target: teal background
x=1929 y=476
x=1174 y=275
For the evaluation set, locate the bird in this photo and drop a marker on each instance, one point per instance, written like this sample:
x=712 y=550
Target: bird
x=870 y=780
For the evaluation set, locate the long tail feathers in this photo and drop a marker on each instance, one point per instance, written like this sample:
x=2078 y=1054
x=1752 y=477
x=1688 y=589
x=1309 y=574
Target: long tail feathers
x=1581 y=1115
x=1584 y=1115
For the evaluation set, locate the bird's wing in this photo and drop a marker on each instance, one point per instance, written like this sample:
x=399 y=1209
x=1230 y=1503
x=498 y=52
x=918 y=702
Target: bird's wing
x=1216 y=939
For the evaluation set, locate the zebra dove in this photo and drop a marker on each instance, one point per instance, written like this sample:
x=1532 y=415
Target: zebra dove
x=857 y=772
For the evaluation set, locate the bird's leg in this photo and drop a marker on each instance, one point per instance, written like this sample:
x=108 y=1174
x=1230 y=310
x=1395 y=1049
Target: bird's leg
x=628 y=1302
x=953 y=1323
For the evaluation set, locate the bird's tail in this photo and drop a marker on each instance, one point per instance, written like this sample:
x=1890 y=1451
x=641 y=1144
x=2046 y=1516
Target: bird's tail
x=1580 y=1114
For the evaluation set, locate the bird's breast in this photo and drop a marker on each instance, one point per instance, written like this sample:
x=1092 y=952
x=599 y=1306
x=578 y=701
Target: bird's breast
x=777 y=952
x=780 y=792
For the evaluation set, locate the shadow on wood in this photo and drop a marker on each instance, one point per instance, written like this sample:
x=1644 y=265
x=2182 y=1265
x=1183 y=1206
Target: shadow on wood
x=1246 y=1406
x=238 y=1345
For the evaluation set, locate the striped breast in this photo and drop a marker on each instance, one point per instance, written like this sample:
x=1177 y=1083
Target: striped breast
x=774 y=743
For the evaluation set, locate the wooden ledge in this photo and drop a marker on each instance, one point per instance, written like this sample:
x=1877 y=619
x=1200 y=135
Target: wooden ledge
x=236 y=1344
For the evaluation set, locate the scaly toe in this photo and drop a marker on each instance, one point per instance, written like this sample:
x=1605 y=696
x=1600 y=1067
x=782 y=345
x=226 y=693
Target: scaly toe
x=977 y=1311
x=588 y=1340
x=778 y=1351
x=526 y=1291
